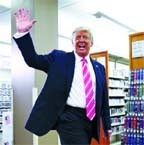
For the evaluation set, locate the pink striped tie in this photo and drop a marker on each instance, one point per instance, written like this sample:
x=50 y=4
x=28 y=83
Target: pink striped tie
x=89 y=92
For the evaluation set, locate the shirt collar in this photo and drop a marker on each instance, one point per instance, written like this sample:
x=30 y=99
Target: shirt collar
x=78 y=58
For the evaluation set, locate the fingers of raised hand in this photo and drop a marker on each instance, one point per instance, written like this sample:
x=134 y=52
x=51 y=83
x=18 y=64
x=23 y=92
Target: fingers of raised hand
x=22 y=14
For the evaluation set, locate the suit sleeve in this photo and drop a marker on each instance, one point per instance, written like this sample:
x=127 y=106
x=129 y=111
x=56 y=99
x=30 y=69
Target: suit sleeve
x=25 y=45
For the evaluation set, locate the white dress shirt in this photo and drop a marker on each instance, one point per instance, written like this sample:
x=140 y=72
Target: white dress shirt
x=77 y=93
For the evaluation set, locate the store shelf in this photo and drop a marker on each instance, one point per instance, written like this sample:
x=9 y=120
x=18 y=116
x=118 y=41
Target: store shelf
x=116 y=105
x=117 y=94
x=117 y=133
x=6 y=111
x=117 y=114
x=117 y=123
x=116 y=143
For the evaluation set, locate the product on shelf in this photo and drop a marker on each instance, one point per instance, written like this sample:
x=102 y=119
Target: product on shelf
x=134 y=120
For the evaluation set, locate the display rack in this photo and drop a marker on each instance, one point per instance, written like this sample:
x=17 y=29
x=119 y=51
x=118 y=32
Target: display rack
x=6 y=102
x=117 y=94
x=134 y=120
x=6 y=113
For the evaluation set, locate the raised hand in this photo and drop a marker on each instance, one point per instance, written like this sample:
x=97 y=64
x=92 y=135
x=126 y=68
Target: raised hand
x=23 y=22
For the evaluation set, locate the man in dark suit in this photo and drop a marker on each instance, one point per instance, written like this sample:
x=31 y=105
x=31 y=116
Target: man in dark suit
x=61 y=104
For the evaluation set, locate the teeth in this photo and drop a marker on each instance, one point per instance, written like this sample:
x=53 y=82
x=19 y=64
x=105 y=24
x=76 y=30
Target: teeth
x=81 y=44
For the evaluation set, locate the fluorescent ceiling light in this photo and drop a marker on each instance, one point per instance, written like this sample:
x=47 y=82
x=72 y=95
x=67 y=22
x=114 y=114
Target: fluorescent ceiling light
x=5 y=3
x=100 y=15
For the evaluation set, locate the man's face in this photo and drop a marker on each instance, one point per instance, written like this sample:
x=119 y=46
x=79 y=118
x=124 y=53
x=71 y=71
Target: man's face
x=82 y=42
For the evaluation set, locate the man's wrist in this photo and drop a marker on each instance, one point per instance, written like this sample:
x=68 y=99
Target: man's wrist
x=19 y=34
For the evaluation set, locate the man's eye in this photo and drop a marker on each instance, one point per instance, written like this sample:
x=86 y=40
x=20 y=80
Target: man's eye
x=78 y=37
x=85 y=37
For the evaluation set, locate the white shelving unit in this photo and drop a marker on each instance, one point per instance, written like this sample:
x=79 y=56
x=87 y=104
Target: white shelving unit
x=6 y=112
x=117 y=85
x=6 y=102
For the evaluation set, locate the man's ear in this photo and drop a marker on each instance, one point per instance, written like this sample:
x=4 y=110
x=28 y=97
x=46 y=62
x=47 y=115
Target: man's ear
x=91 y=43
x=72 y=42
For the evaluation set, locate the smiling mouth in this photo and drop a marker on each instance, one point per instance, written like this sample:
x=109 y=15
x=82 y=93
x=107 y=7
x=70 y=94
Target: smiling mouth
x=82 y=46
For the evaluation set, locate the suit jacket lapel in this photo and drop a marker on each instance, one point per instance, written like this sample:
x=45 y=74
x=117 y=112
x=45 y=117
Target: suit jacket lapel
x=70 y=64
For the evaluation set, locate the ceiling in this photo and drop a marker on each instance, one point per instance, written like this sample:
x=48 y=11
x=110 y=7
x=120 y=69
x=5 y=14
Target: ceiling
x=111 y=21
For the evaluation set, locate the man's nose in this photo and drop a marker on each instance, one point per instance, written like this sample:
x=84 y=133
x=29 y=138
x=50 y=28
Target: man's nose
x=81 y=38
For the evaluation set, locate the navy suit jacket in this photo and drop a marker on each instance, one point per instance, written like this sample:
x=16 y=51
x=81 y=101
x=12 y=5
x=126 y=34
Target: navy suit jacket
x=51 y=101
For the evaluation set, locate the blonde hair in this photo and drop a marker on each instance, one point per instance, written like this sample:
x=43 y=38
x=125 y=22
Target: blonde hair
x=78 y=29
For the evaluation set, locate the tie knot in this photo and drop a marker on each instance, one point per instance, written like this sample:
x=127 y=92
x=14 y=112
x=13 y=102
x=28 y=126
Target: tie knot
x=83 y=60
